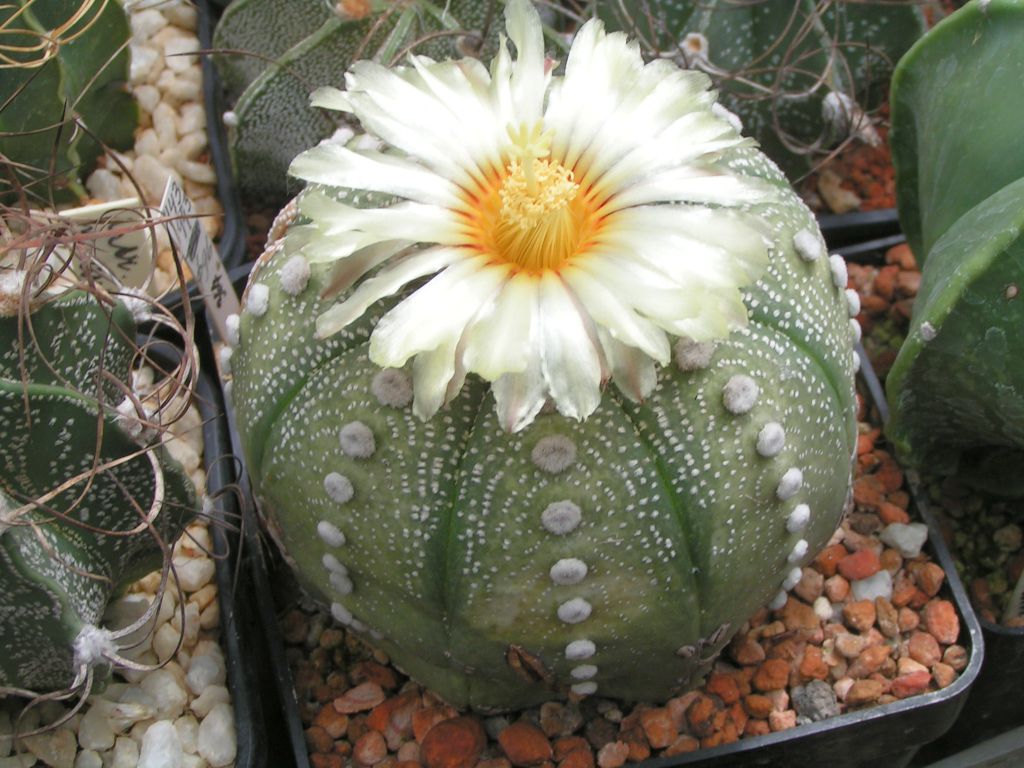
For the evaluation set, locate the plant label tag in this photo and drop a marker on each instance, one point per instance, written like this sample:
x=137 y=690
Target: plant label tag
x=194 y=244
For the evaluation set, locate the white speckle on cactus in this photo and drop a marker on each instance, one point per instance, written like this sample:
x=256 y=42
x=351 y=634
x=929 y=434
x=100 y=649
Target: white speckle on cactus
x=852 y=302
x=561 y=517
x=574 y=611
x=341 y=583
x=554 y=453
x=584 y=689
x=568 y=571
x=93 y=645
x=339 y=487
x=257 y=299
x=855 y=361
x=580 y=649
x=808 y=245
x=225 y=359
x=771 y=439
x=739 y=394
x=840 y=276
x=232 y=324
x=357 y=440
x=333 y=564
x=330 y=534
x=694 y=355
x=799 y=550
x=392 y=388
x=927 y=331
x=341 y=614
x=790 y=484
x=798 y=518
x=583 y=672
x=856 y=331
x=792 y=578
x=294 y=275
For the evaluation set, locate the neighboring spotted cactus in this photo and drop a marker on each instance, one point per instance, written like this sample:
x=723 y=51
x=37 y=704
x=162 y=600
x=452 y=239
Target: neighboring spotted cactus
x=503 y=522
x=85 y=505
x=801 y=74
x=61 y=61
x=957 y=386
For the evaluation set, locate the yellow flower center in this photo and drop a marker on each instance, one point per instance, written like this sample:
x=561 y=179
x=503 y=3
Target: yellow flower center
x=533 y=215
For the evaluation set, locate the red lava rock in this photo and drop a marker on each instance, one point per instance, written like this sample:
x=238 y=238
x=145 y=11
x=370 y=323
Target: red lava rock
x=566 y=745
x=374 y=672
x=867 y=492
x=812 y=665
x=757 y=728
x=956 y=656
x=317 y=760
x=828 y=559
x=941 y=620
x=944 y=674
x=864 y=692
x=639 y=749
x=798 y=615
x=869 y=661
x=658 y=726
x=613 y=755
x=910 y=684
x=908 y=283
x=885 y=281
x=860 y=565
x=889 y=476
x=888 y=617
x=902 y=256
x=381 y=715
x=332 y=721
x=758 y=705
x=745 y=650
x=929 y=577
x=891 y=513
x=771 y=675
x=909 y=620
x=700 y=715
x=782 y=721
x=580 y=758
x=723 y=686
x=681 y=746
x=924 y=648
x=859 y=615
x=454 y=743
x=370 y=749
x=865 y=444
x=425 y=719
x=890 y=560
x=318 y=740
x=525 y=744
x=837 y=588
x=363 y=697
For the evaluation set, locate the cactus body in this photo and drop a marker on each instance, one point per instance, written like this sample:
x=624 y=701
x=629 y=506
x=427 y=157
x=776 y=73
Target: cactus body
x=957 y=386
x=618 y=554
x=62 y=560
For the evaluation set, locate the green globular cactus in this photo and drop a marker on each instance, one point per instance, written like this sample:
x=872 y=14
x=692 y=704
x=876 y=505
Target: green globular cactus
x=957 y=386
x=85 y=503
x=521 y=544
x=802 y=75
x=274 y=53
x=60 y=61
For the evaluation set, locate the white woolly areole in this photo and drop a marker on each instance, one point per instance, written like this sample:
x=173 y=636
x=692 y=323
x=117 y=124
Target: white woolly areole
x=137 y=302
x=798 y=518
x=569 y=570
x=357 y=626
x=12 y=281
x=739 y=394
x=584 y=689
x=778 y=601
x=855 y=361
x=790 y=484
x=392 y=388
x=357 y=440
x=341 y=614
x=333 y=564
x=574 y=611
x=233 y=326
x=852 y=302
x=927 y=331
x=225 y=354
x=554 y=453
x=580 y=649
x=856 y=331
x=330 y=534
x=771 y=439
x=694 y=355
x=799 y=550
x=127 y=418
x=294 y=275
x=840 y=276
x=583 y=672
x=561 y=517
x=792 y=578
x=808 y=245
x=230 y=119
x=257 y=299
x=339 y=487
x=341 y=583
x=93 y=645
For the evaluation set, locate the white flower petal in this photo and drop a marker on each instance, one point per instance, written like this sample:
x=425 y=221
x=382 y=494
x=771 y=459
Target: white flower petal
x=500 y=340
x=401 y=221
x=353 y=267
x=432 y=372
x=327 y=97
x=569 y=359
x=529 y=80
x=632 y=370
x=691 y=185
x=519 y=397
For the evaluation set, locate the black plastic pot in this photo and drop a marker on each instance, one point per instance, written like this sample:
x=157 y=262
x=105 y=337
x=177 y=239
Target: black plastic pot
x=858 y=227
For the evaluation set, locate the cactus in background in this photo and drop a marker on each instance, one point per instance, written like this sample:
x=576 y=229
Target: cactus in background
x=802 y=76
x=86 y=504
x=300 y=45
x=957 y=386
x=79 y=70
x=545 y=535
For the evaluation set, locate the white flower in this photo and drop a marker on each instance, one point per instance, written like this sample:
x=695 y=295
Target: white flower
x=571 y=224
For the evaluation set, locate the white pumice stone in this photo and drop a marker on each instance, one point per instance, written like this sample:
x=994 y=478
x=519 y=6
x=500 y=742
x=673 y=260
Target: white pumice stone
x=357 y=440
x=823 y=608
x=792 y=481
x=554 y=454
x=907 y=538
x=852 y=302
x=792 y=578
x=568 y=571
x=584 y=689
x=580 y=649
x=771 y=439
x=739 y=394
x=574 y=611
x=873 y=587
x=232 y=324
x=927 y=331
x=855 y=330
x=341 y=614
x=161 y=747
x=294 y=275
x=799 y=551
x=693 y=355
x=216 y=741
x=583 y=672
x=798 y=518
x=333 y=564
x=808 y=245
x=840 y=275
x=339 y=487
x=330 y=534
x=257 y=300
x=561 y=517
x=391 y=387
x=778 y=601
